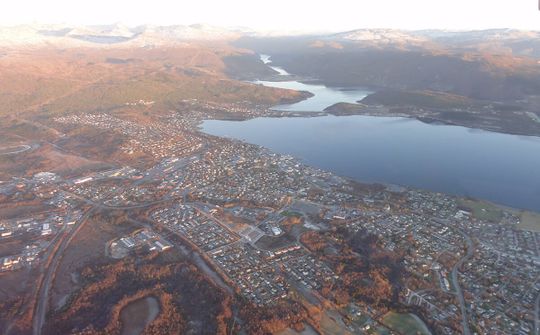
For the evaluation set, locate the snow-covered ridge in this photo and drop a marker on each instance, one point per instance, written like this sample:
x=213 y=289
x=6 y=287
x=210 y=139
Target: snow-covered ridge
x=434 y=35
x=111 y=34
x=152 y=35
x=380 y=35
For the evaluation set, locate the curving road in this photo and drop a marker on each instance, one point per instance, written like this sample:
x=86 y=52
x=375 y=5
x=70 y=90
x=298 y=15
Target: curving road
x=58 y=246
x=15 y=150
x=459 y=292
x=58 y=249
x=537 y=316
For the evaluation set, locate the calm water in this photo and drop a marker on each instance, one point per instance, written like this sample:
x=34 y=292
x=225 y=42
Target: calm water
x=323 y=96
x=266 y=60
x=498 y=167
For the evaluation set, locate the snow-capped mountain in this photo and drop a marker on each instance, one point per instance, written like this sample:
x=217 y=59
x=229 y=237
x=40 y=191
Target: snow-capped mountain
x=380 y=35
x=116 y=34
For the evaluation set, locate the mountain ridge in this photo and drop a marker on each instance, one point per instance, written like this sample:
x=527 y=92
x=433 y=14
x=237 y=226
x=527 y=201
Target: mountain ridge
x=149 y=34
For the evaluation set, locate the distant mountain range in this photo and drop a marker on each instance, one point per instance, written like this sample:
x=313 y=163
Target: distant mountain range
x=437 y=35
x=116 y=34
x=521 y=42
x=501 y=65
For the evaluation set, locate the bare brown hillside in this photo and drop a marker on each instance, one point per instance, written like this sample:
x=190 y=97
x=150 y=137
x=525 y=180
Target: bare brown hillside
x=55 y=80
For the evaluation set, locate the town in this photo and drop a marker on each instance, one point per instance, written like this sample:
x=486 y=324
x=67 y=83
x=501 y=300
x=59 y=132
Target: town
x=244 y=210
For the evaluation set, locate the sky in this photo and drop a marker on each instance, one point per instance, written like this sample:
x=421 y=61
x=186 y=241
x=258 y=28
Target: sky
x=282 y=15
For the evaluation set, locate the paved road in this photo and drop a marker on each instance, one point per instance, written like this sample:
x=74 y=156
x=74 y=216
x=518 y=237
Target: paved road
x=103 y=206
x=459 y=292
x=43 y=293
x=188 y=252
x=537 y=315
x=213 y=218
x=15 y=150
x=59 y=245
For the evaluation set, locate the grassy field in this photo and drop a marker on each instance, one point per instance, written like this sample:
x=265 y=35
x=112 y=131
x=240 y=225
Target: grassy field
x=307 y=331
x=530 y=221
x=423 y=99
x=290 y=213
x=331 y=323
x=482 y=210
x=405 y=324
x=272 y=243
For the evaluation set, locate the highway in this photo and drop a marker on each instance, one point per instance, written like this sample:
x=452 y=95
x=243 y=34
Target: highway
x=58 y=246
x=58 y=249
x=537 y=315
x=15 y=150
x=459 y=292
x=126 y=207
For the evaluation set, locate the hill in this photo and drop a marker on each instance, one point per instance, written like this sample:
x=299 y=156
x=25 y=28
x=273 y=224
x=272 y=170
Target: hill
x=472 y=64
x=420 y=99
x=54 y=81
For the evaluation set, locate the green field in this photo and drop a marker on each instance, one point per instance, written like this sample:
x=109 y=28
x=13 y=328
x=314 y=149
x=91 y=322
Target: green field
x=482 y=210
x=422 y=99
x=530 y=221
x=275 y=242
x=406 y=324
x=331 y=323
x=290 y=213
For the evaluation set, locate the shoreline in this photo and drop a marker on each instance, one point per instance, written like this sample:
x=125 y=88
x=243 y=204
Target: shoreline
x=388 y=186
x=270 y=113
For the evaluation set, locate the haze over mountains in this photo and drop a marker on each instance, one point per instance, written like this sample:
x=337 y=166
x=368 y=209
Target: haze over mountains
x=440 y=60
x=114 y=193
x=115 y=34
x=122 y=63
x=518 y=41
